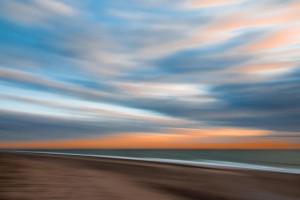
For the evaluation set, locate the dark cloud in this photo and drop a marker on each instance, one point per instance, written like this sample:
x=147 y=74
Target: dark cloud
x=22 y=126
x=203 y=59
x=272 y=105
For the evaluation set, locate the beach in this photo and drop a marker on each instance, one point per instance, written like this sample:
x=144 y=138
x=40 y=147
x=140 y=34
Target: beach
x=45 y=176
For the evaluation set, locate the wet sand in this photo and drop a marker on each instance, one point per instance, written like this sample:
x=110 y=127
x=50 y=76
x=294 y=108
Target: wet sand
x=39 y=176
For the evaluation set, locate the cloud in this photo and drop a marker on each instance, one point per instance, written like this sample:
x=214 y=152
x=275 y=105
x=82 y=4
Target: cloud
x=35 y=82
x=209 y=3
x=147 y=66
x=35 y=11
x=23 y=126
x=56 y=6
x=264 y=105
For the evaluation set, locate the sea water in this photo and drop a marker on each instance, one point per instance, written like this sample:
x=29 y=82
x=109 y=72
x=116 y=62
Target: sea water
x=276 y=160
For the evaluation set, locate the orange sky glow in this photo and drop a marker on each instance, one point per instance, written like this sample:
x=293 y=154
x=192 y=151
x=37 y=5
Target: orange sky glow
x=177 y=138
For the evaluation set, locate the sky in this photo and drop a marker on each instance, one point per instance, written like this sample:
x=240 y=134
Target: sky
x=149 y=74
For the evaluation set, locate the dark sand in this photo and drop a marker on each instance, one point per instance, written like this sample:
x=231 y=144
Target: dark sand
x=38 y=176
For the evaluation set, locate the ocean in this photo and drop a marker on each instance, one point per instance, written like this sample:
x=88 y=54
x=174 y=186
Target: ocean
x=273 y=160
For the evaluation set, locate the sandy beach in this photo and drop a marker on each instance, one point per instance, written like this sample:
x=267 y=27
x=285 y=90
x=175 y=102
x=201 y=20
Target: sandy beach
x=40 y=176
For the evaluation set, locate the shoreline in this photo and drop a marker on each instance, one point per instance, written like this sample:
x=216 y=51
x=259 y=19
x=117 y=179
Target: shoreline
x=50 y=176
x=206 y=163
